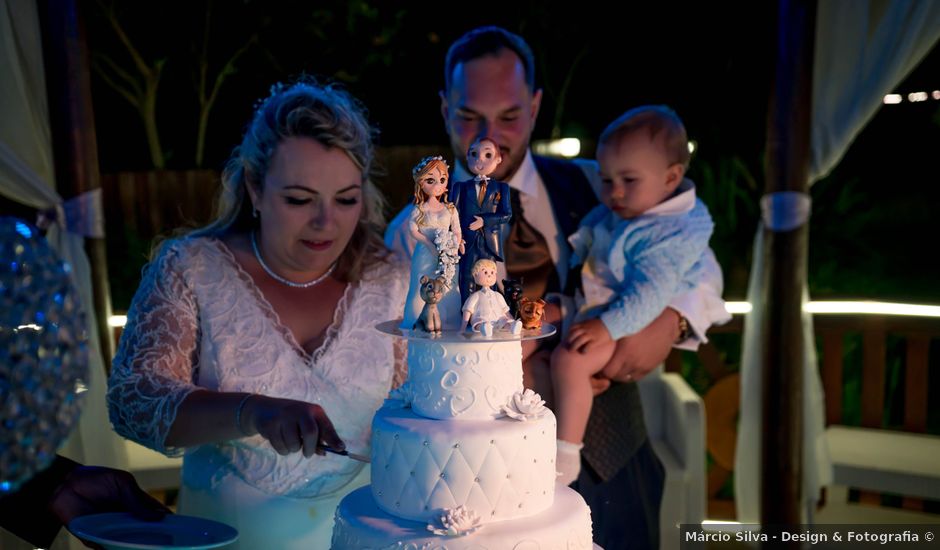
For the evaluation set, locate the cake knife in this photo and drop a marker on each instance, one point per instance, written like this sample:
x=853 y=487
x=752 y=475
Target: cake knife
x=354 y=456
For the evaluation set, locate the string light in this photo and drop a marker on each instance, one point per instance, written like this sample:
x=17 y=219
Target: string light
x=913 y=97
x=816 y=308
x=851 y=308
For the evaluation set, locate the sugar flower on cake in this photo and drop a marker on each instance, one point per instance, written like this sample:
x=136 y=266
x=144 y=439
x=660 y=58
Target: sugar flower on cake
x=525 y=405
x=447 y=245
x=457 y=522
x=402 y=396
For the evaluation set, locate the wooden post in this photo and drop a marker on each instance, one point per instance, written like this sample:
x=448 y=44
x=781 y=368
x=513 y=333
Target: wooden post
x=68 y=88
x=787 y=169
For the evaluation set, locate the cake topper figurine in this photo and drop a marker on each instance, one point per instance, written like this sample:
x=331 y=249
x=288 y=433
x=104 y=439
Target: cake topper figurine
x=531 y=312
x=486 y=309
x=435 y=225
x=432 y=290
x=512 y=291
x=484 y=209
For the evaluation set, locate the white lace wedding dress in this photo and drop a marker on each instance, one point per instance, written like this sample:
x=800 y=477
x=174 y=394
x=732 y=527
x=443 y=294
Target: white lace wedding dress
x=198 y=321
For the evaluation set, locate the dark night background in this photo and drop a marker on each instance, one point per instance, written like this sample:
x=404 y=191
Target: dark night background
x=872 y=234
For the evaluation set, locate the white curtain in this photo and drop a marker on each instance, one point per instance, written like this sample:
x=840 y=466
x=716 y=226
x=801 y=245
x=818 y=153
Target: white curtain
x=27 y=177
x=864 y=48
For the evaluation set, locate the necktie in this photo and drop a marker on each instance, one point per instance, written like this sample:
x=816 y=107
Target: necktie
x=615 y=430
x=482 y=192
x=527 y=255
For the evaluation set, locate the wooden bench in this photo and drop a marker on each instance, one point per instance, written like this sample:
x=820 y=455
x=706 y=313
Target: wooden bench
x=880 y=456
x=887 y=461
x=878 y=451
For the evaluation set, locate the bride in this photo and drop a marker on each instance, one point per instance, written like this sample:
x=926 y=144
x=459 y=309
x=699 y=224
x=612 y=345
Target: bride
x=250 y=343
x=436 y=227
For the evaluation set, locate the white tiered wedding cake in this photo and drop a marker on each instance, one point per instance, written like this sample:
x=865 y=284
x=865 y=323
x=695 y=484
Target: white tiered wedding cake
x=463 y=458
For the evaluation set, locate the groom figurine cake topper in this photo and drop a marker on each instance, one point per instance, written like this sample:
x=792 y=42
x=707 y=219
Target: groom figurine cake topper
x=484 y=209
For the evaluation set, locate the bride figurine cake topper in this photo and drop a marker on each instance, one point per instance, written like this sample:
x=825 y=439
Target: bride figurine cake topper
x=435 y=226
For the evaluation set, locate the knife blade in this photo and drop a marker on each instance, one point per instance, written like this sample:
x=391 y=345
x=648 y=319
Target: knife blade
x=354 y=456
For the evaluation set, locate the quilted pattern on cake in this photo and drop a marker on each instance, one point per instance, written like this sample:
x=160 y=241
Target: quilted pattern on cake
x=500 y=469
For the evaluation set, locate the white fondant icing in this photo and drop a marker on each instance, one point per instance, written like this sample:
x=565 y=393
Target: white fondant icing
x=463 y=380
x=457 y=470
x=499 y=468
x=361 y=525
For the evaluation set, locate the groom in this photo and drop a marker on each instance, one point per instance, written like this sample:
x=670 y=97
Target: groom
x=490 y=91
x=483 y=207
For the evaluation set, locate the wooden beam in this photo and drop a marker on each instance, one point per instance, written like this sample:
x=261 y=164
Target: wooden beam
x=915 y=384
x=832 y=375
x=75 y=149
x=785 y=252
x=874 y=353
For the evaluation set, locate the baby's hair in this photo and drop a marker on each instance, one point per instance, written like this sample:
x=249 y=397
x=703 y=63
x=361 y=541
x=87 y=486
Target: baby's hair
x=481 y=264
x=662 y=124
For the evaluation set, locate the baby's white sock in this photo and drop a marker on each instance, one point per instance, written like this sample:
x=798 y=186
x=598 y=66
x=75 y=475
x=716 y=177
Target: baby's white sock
x=568 y=461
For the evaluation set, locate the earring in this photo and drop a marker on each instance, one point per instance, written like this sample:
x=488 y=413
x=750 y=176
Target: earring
x=254 y=213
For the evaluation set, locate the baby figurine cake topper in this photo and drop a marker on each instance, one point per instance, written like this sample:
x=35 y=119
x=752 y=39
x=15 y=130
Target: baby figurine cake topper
x=486 y=309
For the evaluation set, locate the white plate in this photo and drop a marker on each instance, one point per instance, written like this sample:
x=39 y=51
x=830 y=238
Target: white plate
x=119 y=530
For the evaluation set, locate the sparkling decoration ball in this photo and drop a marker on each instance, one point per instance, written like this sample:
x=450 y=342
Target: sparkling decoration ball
x=43 y=353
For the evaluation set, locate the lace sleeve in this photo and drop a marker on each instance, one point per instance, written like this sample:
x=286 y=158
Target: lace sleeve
x=154 y=368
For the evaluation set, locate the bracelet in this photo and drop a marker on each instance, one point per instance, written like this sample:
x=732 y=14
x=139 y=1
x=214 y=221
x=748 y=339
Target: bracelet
x=685 y=331
x=238 y=414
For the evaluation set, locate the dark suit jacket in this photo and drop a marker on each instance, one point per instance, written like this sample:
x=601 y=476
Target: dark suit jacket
x=569 y=191
x=495 y=212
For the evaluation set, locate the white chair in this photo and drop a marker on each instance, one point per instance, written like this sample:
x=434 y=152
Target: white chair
x=675 y=424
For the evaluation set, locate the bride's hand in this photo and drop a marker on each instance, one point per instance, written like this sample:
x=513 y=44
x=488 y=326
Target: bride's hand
x=290 y=425
x=462 y=248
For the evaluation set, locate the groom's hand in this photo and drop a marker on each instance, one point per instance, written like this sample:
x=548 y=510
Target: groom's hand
x=638 y=354
x=599 y=384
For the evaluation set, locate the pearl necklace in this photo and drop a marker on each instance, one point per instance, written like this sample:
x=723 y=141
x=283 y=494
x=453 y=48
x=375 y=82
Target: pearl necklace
x=282 y=280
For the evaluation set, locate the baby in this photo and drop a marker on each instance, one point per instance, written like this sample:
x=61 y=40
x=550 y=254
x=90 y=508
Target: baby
x=639 y=249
